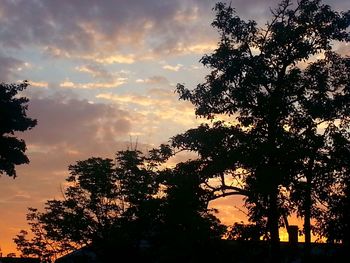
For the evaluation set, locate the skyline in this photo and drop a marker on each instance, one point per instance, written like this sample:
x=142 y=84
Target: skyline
x=102 y=79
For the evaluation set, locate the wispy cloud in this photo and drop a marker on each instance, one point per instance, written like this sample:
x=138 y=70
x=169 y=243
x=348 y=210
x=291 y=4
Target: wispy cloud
x=96 y=71
x=177 y=67
x=128 y=99
x=9 y=67
x=98 y=29
x=153 y=80
x=39 y=84
x=94 y=85
x=112 y=59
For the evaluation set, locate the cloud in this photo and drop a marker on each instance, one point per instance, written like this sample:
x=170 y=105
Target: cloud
x=112 y=59
x=177 y=67
x=128 y=99
x=96 y=71
x=94 y=85
x=73 y=28
x=104 y=78
x=341 y=48
x=64 y=120
x=107 y=31
x=159 y=112
x=9 y=67
x=39 y=84
x=153 y=80
x=68 y=130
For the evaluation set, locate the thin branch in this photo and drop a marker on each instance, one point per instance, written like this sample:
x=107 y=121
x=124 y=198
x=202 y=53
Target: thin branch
x=224 y=195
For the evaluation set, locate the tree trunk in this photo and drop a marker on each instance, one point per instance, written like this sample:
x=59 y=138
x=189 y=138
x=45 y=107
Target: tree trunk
x=307 y=220
x=346 y=220
x=273 y=227
x=273 y=181
x=307 y=211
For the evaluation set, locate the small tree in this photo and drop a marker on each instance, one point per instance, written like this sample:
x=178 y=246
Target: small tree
x=105 y=205
x=13 y=118
x=90 y=206
x=41 y=245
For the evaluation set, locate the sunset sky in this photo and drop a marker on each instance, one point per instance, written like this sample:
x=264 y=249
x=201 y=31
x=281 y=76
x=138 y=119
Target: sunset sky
x=103 y=74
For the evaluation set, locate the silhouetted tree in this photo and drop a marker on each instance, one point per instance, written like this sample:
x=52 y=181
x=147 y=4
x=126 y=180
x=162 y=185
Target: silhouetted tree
x=41 y=245
x=106 y=205
x=13 y=118
x=246 y=232
x=115 y=206
x=139 y=189
x=188 y=226
x=334 y=219
x=277 y=83
x=91 y=206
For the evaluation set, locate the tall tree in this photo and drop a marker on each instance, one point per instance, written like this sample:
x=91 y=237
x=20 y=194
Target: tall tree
x=13 y=118
x=276 y=83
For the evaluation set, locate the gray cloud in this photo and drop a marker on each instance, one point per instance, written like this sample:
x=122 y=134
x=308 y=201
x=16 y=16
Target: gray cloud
x=78 y=26
x=95 y=70
x=161 y=80
x=8 y=67
x=68 y=130
x=66 y=27
x=71 y=121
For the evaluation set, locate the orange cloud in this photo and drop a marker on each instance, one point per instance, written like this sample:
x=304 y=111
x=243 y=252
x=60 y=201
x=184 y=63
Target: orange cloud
x=173 y=68
x=39 y=84
x=94 y=85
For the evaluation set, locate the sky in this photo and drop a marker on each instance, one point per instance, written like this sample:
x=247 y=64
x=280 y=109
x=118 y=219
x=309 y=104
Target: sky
x=103 y=75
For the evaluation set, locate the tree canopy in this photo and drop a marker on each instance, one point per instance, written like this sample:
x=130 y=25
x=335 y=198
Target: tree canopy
x=286 y=91
x=114 y=205
x=13 y=118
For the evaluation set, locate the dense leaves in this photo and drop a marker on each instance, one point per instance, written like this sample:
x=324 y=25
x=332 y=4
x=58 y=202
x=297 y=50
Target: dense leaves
x=115 y=206
x=13 y=118
x=285 y=92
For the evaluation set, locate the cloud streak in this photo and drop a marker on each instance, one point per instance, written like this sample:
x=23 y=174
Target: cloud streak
x=94 y=85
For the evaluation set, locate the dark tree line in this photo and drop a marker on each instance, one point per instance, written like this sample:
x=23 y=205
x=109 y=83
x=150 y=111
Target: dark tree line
x=283 y=145
x=115 y=205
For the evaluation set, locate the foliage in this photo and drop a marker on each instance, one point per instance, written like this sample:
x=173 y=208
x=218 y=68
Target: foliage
x=188 y=227
x=186 y=205
x=115 y=206
x=90 y=205
x=334 y=215
x=13 y=118
x=41 y=245
x=246 y=232
x=277 y=84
